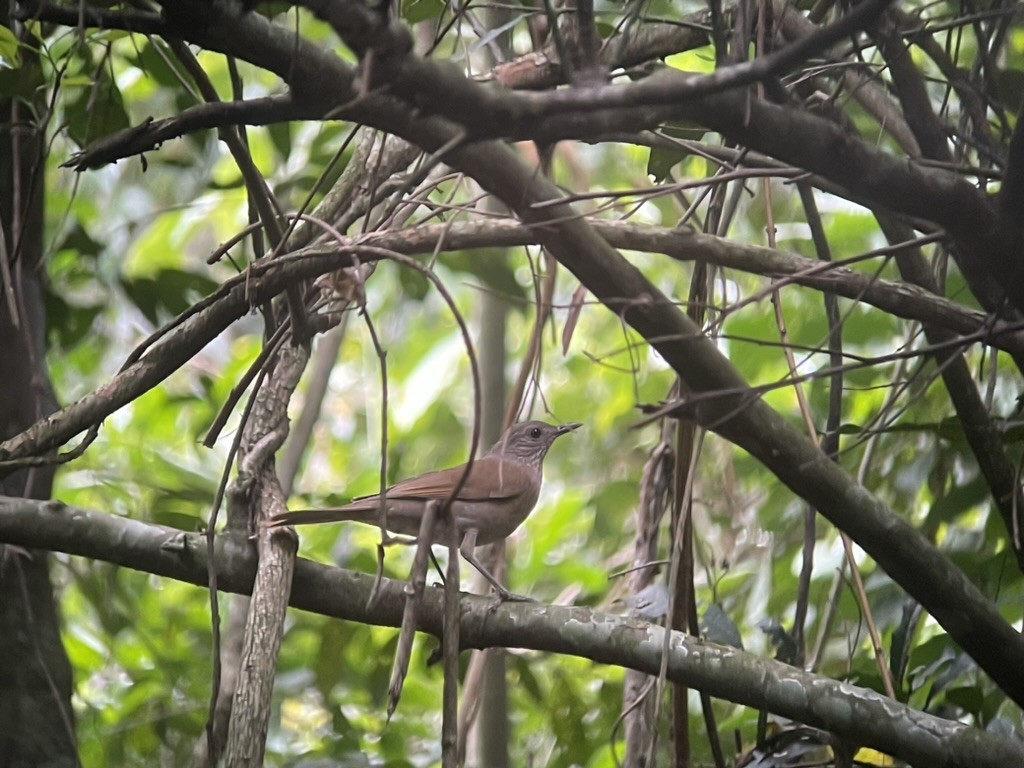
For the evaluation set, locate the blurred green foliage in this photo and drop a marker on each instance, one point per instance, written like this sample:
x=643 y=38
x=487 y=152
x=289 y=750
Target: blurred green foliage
x=129 y=248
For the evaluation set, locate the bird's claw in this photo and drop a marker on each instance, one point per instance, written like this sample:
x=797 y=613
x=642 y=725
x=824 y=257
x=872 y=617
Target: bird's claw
x=504 y=596
x=512 y=597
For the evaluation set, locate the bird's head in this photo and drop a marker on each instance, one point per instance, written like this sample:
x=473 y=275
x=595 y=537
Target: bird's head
x=528 y=441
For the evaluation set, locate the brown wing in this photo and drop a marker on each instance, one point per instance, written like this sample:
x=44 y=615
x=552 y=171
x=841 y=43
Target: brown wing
x=488 y=479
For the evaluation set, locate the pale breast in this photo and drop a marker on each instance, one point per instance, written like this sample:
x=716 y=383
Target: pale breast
x=496 y=519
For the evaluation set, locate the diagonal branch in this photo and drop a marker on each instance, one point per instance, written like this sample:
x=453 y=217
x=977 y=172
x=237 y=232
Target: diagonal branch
x=149 y=134
x=189 y=333
x=439 y=88
x=748 y=421
x=178 y=342
x=897 y=298
x=322 y=84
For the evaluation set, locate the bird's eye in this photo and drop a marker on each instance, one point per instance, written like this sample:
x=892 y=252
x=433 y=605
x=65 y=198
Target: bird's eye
x=535 y=433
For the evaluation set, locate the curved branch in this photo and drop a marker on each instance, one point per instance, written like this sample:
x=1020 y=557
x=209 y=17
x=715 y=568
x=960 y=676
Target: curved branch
x=650 y=42
x=178 y=342
x=188 y=335
x=898 y=298
x=428 y=85
x=149 y=134
x=856 y=714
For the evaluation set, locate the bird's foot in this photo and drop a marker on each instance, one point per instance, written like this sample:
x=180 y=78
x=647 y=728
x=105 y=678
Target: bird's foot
x=512 y=597
x=504 y=596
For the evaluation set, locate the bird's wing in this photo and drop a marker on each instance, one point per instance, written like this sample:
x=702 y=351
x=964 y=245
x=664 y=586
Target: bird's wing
x=487 y=480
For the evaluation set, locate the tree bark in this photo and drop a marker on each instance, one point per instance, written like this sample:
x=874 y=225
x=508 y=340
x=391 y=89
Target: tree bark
x=36 y=719
x=856 y=714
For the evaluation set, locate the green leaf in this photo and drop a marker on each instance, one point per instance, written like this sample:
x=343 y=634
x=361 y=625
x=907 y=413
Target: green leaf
x=170 y=292
x=152 y=59
x=902 y=640
x=660 y=161
x=67 y=324
x=1010 y=87
x=493 y=269
x=330 y=666
x=96 y=112
x=414 y=11
x=10 y=49
x=20 y=82
x=958 y=501
x=281 y=137
x=79 y=241
x=663 y=159
x=414 y=285
x=968 y=698
x=522 y=667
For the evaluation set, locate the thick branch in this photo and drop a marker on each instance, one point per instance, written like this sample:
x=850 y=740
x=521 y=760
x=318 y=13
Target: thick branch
x=437 y=88
x=982 y=435
x=639 y=45
x=263 y=434
x=185 y=337
x=910 y=85
x=1011 y=196
x=856 y=714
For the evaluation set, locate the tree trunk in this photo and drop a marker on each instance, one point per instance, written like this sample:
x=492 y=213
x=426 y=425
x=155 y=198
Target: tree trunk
x=36 y=720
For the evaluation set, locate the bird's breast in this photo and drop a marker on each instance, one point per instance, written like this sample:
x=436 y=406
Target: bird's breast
x=496 y=518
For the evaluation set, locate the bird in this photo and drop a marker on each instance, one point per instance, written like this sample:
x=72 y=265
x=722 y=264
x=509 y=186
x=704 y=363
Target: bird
x=498 y=494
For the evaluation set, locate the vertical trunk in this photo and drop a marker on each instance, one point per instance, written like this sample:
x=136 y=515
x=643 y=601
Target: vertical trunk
x=36 y=720
x=488 y=738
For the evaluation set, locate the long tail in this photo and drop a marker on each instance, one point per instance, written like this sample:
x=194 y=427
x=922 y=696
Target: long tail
x=358 y=513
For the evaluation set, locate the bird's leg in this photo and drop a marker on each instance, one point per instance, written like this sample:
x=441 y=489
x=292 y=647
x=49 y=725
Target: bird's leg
x=437 y=567
x=387 y=540
x=375 y=592
x=468 y=544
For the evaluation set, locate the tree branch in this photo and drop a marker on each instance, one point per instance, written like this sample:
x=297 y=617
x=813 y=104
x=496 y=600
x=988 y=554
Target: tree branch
x=143 y=22
x=857 y=714
x=438 y=88
x=900 y=299
x=975 y=420
x=263 y=434
x=149 y=134
x=646 y=43
x=178 y=342
x=1011 y=195
x=323 y=85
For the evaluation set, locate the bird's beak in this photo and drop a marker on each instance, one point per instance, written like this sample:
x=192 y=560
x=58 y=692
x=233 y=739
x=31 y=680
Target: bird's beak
x=565 y=429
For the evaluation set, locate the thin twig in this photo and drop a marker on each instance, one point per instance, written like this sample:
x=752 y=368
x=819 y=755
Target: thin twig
x=413 y=598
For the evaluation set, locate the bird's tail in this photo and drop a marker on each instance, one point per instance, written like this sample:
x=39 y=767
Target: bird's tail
x=357 y=512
